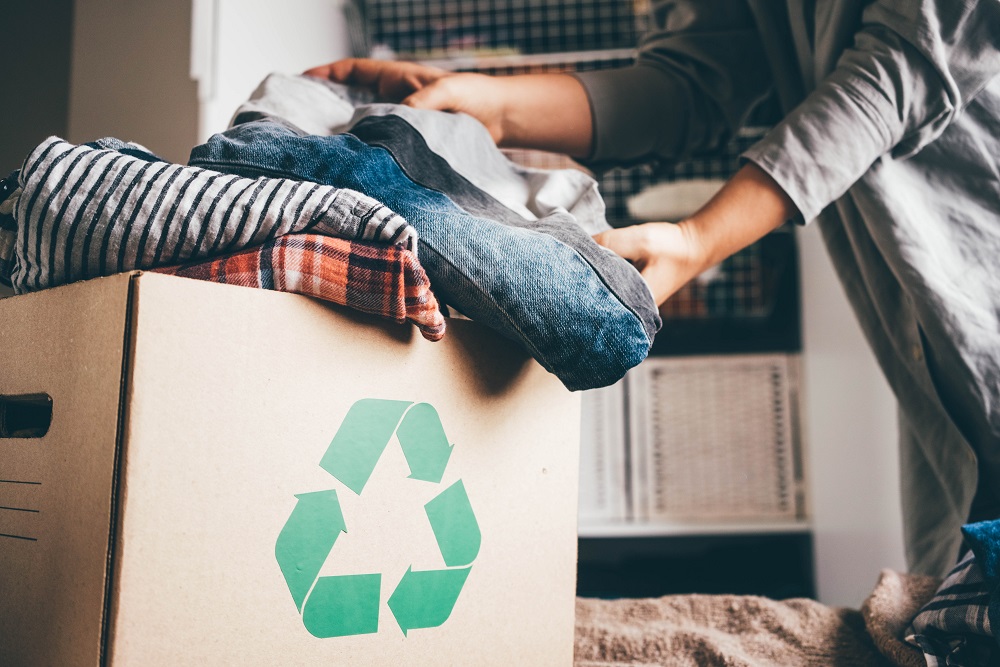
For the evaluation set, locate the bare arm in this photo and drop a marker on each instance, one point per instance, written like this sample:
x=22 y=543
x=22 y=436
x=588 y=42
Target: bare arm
x=544 y=111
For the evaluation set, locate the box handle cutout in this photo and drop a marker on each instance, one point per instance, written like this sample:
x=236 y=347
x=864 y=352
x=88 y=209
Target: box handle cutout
x=25 y=415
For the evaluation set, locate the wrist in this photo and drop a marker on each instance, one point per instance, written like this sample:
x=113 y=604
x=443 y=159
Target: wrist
x=748 y=207
x=699 y=254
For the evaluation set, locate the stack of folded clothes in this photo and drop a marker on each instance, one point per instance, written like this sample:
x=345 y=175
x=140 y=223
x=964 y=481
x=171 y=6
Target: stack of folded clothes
x=84 y=211
x=367 y=205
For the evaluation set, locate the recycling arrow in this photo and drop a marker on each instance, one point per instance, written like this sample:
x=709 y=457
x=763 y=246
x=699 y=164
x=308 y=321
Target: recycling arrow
x=338 y=606
x=454 y=525
x=344 y=605
x=424 y=443
x=425 y=599
x=307 y=539
x=360 y=441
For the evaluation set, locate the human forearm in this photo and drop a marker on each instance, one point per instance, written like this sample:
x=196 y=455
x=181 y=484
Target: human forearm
x=747 y=208
x=548 y=112
x=542 y=111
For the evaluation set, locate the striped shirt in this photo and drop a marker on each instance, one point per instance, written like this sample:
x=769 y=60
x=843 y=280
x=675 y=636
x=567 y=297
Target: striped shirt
x=85 y=212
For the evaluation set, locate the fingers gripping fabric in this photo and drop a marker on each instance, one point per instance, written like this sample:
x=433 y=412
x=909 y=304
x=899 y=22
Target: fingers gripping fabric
x=86 y=212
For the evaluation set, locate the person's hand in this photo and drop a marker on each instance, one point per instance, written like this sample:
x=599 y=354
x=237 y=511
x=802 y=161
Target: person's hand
x=667 y=255
x=478 y=95
x=390 y=80
x=423 y=87
x=750 y=205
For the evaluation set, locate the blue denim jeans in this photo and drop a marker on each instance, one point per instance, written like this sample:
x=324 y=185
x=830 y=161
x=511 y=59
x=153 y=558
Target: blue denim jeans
x=321 y=107
x=519 y=281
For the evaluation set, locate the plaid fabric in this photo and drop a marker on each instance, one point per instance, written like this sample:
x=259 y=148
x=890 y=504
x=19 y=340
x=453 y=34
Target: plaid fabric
x=954 y=627
x=382 y=280
x=421 y=27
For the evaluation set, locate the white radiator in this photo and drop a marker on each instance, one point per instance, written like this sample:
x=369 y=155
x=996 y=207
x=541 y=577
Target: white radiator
x=715 y=438
x=603 y=487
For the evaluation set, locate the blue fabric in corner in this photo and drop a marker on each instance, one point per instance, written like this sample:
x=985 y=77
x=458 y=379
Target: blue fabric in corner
x=984 y=540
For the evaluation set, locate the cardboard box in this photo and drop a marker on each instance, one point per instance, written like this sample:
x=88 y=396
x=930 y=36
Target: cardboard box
x=195 y=499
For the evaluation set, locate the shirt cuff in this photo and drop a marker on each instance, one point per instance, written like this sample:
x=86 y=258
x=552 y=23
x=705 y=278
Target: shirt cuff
x=826 y=143
x=635 y=111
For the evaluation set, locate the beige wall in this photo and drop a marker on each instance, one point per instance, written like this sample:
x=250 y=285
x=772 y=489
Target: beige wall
x=34 y=76
x=169 y=74
x=131 y=75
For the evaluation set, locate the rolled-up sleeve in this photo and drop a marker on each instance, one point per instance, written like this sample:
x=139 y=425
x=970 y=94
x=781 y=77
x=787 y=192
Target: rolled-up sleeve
x=690 y=89
x=912 y=67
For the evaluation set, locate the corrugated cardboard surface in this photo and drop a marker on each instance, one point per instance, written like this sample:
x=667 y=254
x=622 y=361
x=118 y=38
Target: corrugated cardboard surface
x=234 y=396
x=57 y=489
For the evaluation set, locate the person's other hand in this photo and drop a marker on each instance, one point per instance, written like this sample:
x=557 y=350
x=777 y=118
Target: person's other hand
x=423 y=87
x=667 y=255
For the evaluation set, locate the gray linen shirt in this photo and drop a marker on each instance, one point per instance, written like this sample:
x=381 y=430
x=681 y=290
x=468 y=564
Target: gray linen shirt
x=892 y=142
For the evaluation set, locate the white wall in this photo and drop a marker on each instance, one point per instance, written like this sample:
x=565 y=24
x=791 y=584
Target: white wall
x=248 y=39
x=850 y=431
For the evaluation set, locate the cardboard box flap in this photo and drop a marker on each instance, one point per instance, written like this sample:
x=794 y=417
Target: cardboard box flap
x=56 y=490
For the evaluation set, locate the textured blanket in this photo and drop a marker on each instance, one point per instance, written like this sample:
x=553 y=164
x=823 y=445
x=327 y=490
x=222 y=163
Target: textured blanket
x=747 y=631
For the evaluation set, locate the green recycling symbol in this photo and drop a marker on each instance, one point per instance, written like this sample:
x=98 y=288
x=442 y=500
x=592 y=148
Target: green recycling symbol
x=338 y=606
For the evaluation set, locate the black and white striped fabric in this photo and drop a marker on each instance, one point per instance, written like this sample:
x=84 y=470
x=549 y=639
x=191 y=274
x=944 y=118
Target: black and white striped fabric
x=10 y=193
x=954 y=627
x=85 y=212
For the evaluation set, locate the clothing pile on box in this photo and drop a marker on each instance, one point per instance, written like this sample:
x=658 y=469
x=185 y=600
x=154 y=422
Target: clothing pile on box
x=403 y=213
